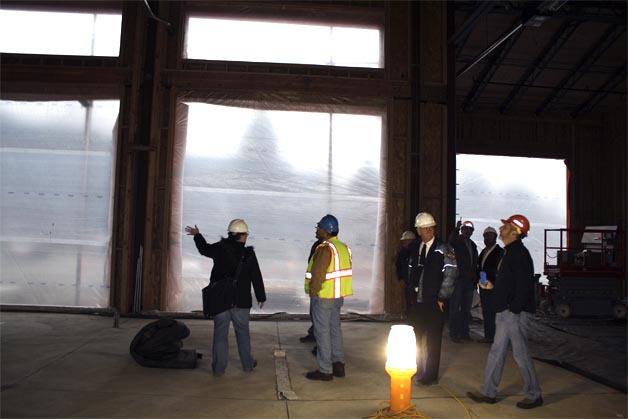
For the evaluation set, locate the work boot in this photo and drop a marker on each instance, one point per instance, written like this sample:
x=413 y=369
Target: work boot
x=481 y=398
x=530 y=404
x=339 y=369
x=317 y=375
x=307 y=338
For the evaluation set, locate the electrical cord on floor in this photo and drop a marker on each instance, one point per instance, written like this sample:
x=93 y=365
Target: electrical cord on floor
x=410 y=413
x=466 y=409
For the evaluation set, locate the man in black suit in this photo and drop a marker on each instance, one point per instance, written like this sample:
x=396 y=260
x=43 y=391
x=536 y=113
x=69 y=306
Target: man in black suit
x=462 y=298
x=433 y=273
x=487 y=270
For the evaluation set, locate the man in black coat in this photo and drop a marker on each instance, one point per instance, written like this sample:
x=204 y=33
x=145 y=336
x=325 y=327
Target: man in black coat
x=401 y=264
x=514 y=303
x=232 y=260
x=433 y=274
x=462 y=298
x=487 y=271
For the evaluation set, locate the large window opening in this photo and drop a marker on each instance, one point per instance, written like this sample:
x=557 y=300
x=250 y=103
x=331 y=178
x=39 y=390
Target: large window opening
x=274 y=42
x=494 y=187
x=281 y=171
x=56 y=176
x=30 y=32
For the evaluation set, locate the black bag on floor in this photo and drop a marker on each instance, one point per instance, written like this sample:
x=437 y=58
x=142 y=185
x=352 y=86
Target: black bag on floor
x=159 y=343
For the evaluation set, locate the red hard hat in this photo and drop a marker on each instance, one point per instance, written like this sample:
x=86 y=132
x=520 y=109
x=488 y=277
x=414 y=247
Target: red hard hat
x=520 y=222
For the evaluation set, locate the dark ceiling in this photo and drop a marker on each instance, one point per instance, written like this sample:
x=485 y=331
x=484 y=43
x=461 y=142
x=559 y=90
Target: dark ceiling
x=568 y=57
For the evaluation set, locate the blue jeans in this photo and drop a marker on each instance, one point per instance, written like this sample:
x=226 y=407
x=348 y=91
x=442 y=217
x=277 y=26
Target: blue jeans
x=511 y=329
x=220 y=349
x=326 y=317
x=460 y=308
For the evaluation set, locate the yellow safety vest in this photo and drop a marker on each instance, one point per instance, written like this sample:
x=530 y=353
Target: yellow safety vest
x=337 y=281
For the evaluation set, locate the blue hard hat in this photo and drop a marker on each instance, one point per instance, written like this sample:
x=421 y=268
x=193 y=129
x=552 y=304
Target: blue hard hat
x=329 y=223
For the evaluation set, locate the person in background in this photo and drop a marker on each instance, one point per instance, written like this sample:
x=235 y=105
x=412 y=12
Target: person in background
x=328 y=280
x=433 y=274
x=460 y=303
x=228 y=254
x=487 y=267
x=310 y=331
x=514 y=301
x=403 y=256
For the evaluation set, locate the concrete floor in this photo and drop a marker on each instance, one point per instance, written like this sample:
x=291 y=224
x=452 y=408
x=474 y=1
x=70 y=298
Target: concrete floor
x=56 y=365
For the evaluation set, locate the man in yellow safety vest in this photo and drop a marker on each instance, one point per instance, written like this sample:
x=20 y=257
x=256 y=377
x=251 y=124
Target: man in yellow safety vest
x=327 y=282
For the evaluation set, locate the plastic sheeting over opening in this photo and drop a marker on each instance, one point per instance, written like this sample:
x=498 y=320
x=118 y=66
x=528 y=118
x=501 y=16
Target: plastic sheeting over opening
x=494 y=187
x=56 y=162
x=281 y=171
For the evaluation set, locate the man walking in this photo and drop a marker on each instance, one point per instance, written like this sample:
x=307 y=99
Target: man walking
x=328 y=281
x=514 y=303
x=433 y=274
x=487 y=268
x=462 y=298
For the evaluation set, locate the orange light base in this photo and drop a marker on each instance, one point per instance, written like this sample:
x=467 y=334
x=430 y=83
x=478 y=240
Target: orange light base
x=400 y=389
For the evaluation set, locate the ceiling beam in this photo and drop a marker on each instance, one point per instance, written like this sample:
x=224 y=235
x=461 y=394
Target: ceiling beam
x=596 y=97
x=462 y=34
x=589 y=58
x=488 y=72
x=571 y=13
x=539 y=64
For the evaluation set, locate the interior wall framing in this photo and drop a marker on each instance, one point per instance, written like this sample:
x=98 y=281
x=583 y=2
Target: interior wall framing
x=149 y=84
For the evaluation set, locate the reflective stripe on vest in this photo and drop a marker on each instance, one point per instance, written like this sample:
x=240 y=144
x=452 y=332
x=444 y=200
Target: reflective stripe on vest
x=338 y=279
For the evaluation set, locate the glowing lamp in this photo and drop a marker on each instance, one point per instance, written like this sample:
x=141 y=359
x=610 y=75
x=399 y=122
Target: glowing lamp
x=401 y=365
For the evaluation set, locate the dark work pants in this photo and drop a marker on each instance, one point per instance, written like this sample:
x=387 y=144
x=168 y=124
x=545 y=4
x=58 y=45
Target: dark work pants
x=460 y=308
x=488 y=313
x=410 y=296
x=427 y=320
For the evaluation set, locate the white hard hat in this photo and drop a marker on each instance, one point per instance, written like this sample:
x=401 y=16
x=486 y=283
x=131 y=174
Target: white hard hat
x=238 y=226
x=490 y=230
x=424 y=219
x=408 y=235
x=468 y=224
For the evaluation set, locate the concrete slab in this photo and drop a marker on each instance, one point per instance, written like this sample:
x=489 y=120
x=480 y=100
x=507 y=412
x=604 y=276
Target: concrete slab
x=56 y=365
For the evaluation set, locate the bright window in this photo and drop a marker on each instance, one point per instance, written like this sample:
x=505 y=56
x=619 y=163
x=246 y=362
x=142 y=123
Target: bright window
x=28 y=32
x=243 y=40
x=282 y=171
x=56 y=174
x=491 y=188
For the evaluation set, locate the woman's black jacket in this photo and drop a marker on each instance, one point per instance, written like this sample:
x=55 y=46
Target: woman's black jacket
x=226 y=255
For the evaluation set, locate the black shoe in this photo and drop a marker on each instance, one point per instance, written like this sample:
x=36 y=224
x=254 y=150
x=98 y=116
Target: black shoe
x=530 y=404
x=339 y=369
x=253 y=366
x=307 y=339
x=485 y=340
x=481 y=398
x=314 y=351
x=320 y=376
x=427 y=383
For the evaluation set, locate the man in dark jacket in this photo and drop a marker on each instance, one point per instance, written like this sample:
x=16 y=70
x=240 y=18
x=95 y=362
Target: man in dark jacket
x=433 y=274
x=514 y=303
x=403 y=256
x=231 y=259
x=487 y=271
x=462 y=298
